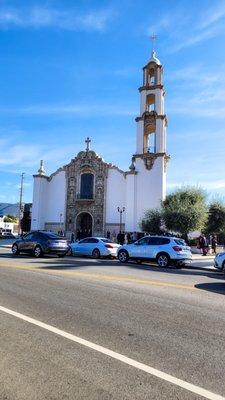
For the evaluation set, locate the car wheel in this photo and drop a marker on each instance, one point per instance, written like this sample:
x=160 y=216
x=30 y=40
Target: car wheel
x=96 y=253
x=123 y=256
x=37 y=251
x=15 y=250
x=163 y=260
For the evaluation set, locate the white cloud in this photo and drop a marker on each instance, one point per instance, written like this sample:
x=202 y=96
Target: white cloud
x=213 y=15
x=201 y=91
x=187 y=29
x=43 y=17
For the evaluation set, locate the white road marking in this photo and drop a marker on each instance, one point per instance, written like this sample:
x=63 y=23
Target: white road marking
x=117 y=356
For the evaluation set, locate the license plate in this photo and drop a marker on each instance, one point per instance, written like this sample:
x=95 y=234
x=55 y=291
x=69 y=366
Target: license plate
x=59 y=244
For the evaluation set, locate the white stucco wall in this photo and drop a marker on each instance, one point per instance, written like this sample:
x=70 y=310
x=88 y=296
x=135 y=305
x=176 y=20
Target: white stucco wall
x=131 y=202
x=150 y=187
x=56 y=199
x=39 y=202
x=140 y=137
x=49 y=199
x=115 y=195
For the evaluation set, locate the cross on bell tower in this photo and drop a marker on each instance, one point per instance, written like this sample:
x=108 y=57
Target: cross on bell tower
x=88 y=142
x=153 y=38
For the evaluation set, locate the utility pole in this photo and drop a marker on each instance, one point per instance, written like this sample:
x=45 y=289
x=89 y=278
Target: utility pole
x=21 y=202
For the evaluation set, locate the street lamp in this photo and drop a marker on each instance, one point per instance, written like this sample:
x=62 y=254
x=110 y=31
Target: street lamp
x=121 y=211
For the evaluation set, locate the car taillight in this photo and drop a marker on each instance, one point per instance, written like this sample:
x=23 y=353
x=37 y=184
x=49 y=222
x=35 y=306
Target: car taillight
x=177 y=248
x=109 y=246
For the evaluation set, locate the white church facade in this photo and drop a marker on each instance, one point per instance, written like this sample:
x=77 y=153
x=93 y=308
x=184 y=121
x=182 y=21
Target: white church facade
x=85 y=194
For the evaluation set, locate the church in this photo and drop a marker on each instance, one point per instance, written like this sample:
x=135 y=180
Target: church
x=91 y=196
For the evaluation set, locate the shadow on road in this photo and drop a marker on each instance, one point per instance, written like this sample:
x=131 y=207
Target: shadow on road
x=78 y=263
x=215 y=287
x=51 y=262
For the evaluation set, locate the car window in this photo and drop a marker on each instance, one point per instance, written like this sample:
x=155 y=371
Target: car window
x=181 y=242
x=85 y=241
x=162 y=241
x=143 y=241
x=50 y=235
x=157 y=241
x=153 y=241
x=107 y=241
x=29 y=236
x=93 y=240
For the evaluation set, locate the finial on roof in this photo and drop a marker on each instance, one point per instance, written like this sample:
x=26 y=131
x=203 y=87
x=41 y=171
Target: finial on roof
x=41 y=170
x=88 y=142
x=132 y=166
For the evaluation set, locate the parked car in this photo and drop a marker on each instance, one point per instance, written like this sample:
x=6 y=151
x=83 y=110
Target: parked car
x=94 y=246
x=39 y=243
x=219 y=262
x=162 y=249
x=8 y=235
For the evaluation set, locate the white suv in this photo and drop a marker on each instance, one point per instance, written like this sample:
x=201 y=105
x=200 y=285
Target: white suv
x=163 y=249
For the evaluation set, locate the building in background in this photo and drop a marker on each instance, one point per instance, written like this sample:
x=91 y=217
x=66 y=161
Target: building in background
x=89 y=196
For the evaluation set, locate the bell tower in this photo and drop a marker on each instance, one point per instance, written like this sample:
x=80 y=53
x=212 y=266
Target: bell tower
x=149 y=163
x=152 y=122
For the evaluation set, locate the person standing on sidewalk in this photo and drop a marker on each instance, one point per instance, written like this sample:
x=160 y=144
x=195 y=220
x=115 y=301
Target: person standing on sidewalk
x=203 y=244
x=214 y=243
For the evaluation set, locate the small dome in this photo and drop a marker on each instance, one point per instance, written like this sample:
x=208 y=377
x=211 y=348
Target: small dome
x=154 y=58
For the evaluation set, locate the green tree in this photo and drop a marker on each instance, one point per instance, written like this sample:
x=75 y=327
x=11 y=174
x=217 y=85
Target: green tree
x=216 y=218
x=10 y=218
x=185 y=210
x=152 y=222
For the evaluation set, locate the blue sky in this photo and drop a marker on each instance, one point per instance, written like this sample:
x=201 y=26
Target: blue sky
x=71 y=69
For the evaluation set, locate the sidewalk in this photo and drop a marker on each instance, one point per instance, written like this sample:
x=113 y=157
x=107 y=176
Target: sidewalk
x=200 y=257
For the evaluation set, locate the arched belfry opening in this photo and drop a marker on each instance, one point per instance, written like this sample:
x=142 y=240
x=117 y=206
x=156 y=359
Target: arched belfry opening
x=150 y=102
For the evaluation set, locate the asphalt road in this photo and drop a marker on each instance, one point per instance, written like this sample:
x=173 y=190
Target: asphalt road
x=171 y=321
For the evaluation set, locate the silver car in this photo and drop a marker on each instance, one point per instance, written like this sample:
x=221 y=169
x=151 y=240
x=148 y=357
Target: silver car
x=162 y=249
x=94 y=246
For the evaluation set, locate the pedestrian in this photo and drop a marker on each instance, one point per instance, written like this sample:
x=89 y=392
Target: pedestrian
x=78 y=235
x=202 y=244
x=72 y=237
x=214 y=243
x=118 y=238
x=114 y=236
x=134 y=237
x=108 y=234
x=128 y=237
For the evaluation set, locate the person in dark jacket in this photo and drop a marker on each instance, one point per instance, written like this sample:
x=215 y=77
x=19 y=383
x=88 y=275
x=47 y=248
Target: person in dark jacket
x=214 y=243
x=203 y=244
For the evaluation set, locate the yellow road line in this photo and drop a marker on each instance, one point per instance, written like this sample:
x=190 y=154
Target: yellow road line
x=99 y=277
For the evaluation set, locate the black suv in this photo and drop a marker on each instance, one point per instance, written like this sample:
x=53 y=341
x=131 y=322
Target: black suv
x=39 y=243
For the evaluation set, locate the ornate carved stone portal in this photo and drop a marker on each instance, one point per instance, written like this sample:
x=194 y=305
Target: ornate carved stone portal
x=86 y=162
